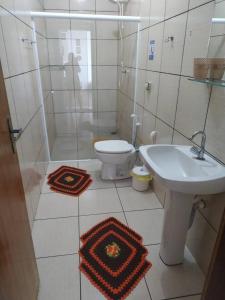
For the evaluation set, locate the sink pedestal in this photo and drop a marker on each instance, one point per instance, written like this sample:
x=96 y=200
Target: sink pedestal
x=176 y=224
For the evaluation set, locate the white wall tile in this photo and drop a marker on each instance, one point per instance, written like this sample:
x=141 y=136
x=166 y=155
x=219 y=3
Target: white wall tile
x=107 y=122
x=151 y=97
x=64 y=101
x=65 y=124
x=83 y=29
x=11 y=103
x=197 y=37
x=11 y=40
x=143 y=49
x=56 y=4
x=86 y=101
x=215 y=124
x=107 y=100
x=102 y=5
x=218 y=29
x=31 y=95
x=173 y=50
x=164 y=133
x=24 y=32
x=8 y=4
x=106 y=77
x=82 y=5
x=42 y=47
x=179 y=139
x=58 y=28
x=130 y=50
x=62 y=78
x=107 y=30
x=141 y=79
x=145 y=13
x=107 y=52
x=20 y=100
x=192 y=106
x=195 y=3
x=148 y=125
x=84 y=51
x=84 y=77
x=175 y=7
x=167 y=101
x=156 y=34
x=60 y=52
x=217 y=47
x=86 y=124
x=3 y=55
x=157 y=11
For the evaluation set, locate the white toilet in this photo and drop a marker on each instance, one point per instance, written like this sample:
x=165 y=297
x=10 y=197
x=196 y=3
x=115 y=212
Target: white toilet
x=117 y=157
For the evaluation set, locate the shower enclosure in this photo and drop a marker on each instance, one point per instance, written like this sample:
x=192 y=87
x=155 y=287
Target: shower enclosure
x=81 y=71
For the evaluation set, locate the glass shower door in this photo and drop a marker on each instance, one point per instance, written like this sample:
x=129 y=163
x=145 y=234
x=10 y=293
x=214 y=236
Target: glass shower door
x=83 y=103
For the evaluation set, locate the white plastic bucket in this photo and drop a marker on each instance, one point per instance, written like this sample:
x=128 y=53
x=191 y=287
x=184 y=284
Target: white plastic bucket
x=141 y=178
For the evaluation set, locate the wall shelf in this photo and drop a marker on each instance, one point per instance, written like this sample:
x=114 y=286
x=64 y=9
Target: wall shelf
x=210 y=82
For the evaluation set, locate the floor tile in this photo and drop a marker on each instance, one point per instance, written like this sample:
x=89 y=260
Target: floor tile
x=87 y=222
x=148 y=223
x=123 y=182
x=98 y=183
x=56 y=237
x=99 y=201
x=89 y=292
x=169 y=282
x=53 y=205
x=133 y=200
x=46 y=187
x=59 y=278
x=91 y=165
x=55 y=165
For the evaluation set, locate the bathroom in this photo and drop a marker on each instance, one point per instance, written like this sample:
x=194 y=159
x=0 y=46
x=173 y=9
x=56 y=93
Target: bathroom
x=129 y=95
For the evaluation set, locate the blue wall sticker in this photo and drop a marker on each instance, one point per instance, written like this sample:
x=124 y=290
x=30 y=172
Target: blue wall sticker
x=151 y=50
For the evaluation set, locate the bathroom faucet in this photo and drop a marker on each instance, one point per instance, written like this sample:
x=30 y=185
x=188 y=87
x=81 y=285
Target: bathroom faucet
x=199 y=151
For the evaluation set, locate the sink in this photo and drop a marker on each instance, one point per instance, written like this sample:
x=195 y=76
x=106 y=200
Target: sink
x=180 y=171
x=185 y=177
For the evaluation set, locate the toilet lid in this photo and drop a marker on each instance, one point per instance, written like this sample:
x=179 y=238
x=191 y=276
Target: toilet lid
x=113 y=146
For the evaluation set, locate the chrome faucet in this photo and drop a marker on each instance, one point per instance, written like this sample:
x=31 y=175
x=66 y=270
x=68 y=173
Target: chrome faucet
x=199 y=151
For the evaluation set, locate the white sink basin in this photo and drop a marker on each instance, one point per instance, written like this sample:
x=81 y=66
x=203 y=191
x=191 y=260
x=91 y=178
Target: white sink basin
x=180 y=171
x=185 y=176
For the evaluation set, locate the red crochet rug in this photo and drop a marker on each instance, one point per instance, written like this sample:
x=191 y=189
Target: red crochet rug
x=113 y=258
x=69 y=181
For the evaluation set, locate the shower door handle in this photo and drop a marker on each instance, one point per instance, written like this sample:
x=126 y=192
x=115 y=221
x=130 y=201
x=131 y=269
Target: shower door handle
x=14 y=134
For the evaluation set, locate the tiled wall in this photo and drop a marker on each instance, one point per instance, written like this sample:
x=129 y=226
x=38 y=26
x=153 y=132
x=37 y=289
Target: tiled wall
x=21 y=80
x=175 y=106
x=83 y=57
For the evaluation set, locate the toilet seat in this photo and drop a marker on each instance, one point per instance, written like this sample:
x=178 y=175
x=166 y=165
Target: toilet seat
x=113 y=147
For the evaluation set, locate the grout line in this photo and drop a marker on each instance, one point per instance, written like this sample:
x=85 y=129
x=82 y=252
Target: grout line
x=183 y=297
x=180 y=77
x=122 y=207
x=55 y=218
x=102 y=213
x=147 y=287
x=57 y=255
x=168 y=19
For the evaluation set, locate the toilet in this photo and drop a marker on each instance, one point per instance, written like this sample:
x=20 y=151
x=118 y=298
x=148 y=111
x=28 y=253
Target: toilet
x=117 y=157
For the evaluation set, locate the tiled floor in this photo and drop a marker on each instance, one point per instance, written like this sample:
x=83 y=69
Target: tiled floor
x=62 y=219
